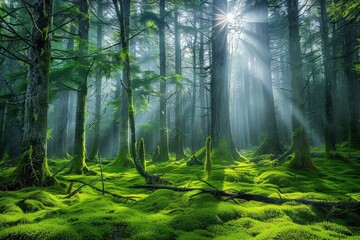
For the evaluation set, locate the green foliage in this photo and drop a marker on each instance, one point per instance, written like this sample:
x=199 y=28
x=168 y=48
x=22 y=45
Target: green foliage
x=348 y=9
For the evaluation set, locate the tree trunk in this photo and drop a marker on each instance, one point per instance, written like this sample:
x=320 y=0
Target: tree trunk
x=32 y=169
x=99 y=40
x=78 y=166
x=164 y=145
x=303 y=159
x=220 y=116
x=179 y=135
x=203 y=125
x=328 y=66
x=125 y=4
x=123 y=158
x=193 y=126
x=353 y=85
x=271 y=143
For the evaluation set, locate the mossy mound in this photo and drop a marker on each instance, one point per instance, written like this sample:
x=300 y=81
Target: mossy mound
x=49 y=212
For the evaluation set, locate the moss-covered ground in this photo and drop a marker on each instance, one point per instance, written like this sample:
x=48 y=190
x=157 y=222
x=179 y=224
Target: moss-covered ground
x=47 y=213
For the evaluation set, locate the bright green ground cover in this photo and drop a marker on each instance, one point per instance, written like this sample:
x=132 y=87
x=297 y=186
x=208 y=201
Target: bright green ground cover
x=46 y=213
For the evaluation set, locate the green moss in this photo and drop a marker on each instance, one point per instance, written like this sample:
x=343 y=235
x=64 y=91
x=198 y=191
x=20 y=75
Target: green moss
x=221 y=154
x=40 y=231
x=197 y=219
x=279 y=178
x=292 y=232
x=165 y=214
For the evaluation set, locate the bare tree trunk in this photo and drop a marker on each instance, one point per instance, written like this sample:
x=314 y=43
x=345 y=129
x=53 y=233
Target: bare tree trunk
x=179 y=135
x=353 y=85
x=164 y=145
x=220 y=115
x=300 y=143
x=271 y=143
x=78 y=165
x=203 y=125
x=32 y=169
x=329 y=118
x=124 y=4
x=95 y=148
x=194 y=132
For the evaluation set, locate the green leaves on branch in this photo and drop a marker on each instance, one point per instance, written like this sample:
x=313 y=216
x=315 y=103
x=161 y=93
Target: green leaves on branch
x=347 y=9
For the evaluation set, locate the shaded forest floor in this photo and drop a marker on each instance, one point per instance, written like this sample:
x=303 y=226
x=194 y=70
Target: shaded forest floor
x=47 y=213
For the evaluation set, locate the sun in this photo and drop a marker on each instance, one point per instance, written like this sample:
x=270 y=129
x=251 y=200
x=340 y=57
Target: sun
x=230 y=18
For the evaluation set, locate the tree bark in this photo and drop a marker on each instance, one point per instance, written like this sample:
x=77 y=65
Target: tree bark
x=353 y=85
x=201 y=55
x=98 y=77
x=179 y=135
x=32 y=169
x=79 y=166
x=128 y=86
x=164 y=145
x=301 y=158
x=220 y=116
x=271 y=143
x=328 y=65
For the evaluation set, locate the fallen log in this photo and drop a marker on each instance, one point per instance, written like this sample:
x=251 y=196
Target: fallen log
x=351 y=206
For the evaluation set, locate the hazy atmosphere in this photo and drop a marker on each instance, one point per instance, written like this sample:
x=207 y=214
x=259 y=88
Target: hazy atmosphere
x=193 y=119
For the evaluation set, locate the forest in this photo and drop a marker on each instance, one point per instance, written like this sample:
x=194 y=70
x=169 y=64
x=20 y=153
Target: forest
x=192 y=119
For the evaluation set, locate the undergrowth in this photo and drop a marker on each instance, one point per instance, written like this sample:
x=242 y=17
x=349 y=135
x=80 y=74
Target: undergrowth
x=47 y=213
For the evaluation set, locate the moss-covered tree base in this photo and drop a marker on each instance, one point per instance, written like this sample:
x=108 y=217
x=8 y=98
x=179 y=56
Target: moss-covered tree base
x=223 y=154
x=31 y=172
x=123 y=161
x=78 y=166
x=301 y=156
x=269 y=146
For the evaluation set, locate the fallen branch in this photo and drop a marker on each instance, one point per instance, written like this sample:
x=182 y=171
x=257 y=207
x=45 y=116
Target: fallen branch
x=125 y=198
x=254 y=197
x=66 y=165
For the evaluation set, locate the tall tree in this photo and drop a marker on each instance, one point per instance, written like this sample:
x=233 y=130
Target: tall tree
x=125 y=4
x=98 y=77
x=300 y=143
x=32 y=169
x=78 y=165
x=164 y=143
x=220 y=115
x=123 y=157
x=327 y=62
x=271 y=143
x=352 y=83
x=179 y=142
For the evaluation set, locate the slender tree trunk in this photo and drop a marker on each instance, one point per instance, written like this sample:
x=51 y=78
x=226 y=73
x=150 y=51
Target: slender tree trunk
x=78 y=165
x=179 y=135
x=123 y=158
x=300 y=142
x=271 y=143
x=353 y=85
x=220 y=116
x=203 y=121
x=328 y=66
x=164 y=145
x=194 y=132
x=32 y=169
x=124 y=4
x=99 y=40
